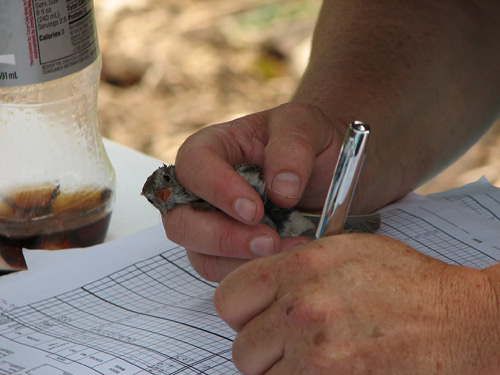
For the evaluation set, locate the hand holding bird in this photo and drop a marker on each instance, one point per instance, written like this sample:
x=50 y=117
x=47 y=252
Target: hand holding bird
x=164 y=191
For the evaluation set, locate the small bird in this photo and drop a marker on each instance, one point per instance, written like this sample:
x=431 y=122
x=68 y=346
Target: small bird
x=163 y=190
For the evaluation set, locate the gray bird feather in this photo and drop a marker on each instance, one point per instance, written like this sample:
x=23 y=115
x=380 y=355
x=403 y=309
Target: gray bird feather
x=163 y=190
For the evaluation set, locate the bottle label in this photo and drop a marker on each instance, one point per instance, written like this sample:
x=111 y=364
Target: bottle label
x=42 y=40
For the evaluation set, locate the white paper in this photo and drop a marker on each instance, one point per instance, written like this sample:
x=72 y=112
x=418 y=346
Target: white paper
x=444 y=230
x=54 y=272
x=131 y=306
x=131 y=212
x=135 y=306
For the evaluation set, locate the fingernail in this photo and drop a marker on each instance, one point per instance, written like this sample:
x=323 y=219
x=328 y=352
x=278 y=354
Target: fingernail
x=287 y=185
x=246 y=209
x=262 y=245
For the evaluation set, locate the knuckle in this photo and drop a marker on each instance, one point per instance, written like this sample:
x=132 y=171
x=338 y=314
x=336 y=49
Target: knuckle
x=226 y=243
x=307 y=260
x=204 y=265
x=305 y=311
x=232 y=242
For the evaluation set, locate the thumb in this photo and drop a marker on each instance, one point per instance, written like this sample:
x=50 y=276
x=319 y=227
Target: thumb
x=303 y=144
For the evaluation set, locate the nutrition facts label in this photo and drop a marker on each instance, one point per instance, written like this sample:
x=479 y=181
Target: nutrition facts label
x=65 y=30
x=51 y=38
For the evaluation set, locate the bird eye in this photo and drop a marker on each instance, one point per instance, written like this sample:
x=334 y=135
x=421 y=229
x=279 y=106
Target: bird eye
x=167 y=177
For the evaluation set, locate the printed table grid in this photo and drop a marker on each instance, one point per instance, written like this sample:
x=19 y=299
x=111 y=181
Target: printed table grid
x=141 y=314
x=431 y=241
x=157 y=314
x=473 y=204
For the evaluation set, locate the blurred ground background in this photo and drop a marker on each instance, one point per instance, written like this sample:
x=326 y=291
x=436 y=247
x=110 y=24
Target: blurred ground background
x=171 y=67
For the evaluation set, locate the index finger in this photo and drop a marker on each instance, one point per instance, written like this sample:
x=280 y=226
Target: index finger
x=205 y=165
x=303 y=143
x=256 y=283
x=289 y=141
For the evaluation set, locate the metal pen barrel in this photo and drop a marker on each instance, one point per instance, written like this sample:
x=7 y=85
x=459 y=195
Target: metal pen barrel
x=344 y=180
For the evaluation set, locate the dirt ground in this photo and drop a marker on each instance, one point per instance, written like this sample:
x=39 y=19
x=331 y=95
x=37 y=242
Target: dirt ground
x=171 y=67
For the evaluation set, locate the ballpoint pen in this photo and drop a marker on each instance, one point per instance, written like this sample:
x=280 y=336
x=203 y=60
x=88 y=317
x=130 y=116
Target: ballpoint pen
x=344 y=180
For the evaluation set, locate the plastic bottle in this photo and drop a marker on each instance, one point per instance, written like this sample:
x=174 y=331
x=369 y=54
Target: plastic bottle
x=56 y=182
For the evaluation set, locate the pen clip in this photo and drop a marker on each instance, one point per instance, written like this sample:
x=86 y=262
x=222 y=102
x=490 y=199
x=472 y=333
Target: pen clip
x=344 y=180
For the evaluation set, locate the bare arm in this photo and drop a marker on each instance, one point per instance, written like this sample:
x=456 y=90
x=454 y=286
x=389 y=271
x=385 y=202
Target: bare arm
x=423 y=74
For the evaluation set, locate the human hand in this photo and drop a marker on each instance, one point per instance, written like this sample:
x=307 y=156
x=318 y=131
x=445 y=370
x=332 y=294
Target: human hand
x=360 y=304
x=296 y=145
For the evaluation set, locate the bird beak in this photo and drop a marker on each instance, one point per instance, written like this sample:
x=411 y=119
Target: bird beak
x=163 y=194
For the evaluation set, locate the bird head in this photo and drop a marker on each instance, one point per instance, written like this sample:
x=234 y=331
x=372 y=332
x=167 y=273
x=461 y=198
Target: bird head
x=158 y=188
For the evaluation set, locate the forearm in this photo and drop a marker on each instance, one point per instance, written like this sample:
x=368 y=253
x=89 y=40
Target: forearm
x=420 y=73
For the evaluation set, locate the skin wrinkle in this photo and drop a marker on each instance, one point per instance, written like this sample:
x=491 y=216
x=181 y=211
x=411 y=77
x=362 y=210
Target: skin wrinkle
x=206 y=268
x=291 y=149
x=226 y=238
x=318 y=142
x=495 y=296
x=496 y=301
x=327 y=133
x=249 y=151
x=475 y=286
x=225 y=142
